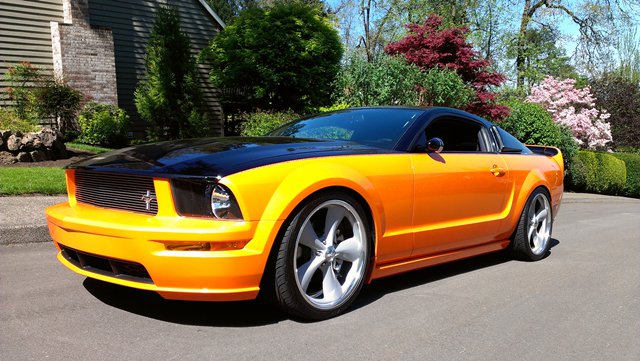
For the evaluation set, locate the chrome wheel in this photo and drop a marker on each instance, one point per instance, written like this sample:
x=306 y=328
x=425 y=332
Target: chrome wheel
x=330 y=254
x=539 y=232
x=532 y=238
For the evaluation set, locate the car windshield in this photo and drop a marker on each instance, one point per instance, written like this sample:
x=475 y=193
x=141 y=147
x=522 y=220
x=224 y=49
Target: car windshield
x=378 y=127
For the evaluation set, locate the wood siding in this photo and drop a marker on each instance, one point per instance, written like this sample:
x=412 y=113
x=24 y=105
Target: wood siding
x=25 y=35
x=131 y=22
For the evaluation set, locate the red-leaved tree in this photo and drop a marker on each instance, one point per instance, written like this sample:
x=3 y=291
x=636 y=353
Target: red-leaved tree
x=430 y=45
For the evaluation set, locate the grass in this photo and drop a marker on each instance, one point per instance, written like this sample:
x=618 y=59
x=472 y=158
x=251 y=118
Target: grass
x=87 y=148
x=35 y=180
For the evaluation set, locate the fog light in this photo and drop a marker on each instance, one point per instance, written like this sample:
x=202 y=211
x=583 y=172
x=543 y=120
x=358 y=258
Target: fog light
x=205 y=246
x=197 y=246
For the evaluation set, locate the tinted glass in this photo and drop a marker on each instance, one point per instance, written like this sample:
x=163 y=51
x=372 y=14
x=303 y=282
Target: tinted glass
x=376 y=127
x=510 y=141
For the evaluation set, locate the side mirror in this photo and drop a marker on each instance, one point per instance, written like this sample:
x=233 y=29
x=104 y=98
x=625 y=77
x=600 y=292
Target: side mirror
x=435 y=145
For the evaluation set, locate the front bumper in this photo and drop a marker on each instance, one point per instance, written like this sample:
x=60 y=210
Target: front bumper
x=106 y=234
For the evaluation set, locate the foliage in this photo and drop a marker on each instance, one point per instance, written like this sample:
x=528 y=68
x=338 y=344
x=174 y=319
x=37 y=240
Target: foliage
x=597 y=172
x=444 y=88
x=9 y=120
x=386 y=81
x=60 y=102
x=621 y=97
x=532 y=124
x=103 y=124
x=32 y=180
x=430 y=45
x=542 y=56
x=632 y=164
x=260 y=123
x=170 y=98
x=334 y=107
x=574 y=108
x=22 y=79
x=285 y=57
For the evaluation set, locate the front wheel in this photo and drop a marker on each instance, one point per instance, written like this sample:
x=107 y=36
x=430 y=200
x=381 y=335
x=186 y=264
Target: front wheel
x=323 y=257
x=532 y=239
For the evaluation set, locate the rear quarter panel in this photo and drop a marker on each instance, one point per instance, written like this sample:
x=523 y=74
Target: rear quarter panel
x=526 y=173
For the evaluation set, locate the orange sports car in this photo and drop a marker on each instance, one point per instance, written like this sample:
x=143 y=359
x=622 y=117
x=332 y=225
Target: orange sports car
x=310 y=213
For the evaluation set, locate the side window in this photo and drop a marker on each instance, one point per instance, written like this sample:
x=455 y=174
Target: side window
x=458 y=135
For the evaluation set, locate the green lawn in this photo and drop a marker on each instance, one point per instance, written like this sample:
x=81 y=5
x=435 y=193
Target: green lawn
x=35 y=180
x=87 y=148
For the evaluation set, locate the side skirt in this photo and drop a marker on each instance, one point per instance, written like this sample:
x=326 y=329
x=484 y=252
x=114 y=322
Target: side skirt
x=406 y=265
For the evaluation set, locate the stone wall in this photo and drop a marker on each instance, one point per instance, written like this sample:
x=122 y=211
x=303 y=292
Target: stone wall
x=83 y=55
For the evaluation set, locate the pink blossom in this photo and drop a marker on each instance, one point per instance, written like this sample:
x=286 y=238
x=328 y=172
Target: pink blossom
x=574 y=108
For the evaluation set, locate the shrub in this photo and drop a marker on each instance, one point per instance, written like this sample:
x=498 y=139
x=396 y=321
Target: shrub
x=532 y=124
x=611 y=176
x=632 y=164
x=260 y=123
x=597 y=173
x=444 y=88
x=23 y=78
x=9 y=120
x=386 y=81
x=170 y=98
x=60 y=102
x=104 y=125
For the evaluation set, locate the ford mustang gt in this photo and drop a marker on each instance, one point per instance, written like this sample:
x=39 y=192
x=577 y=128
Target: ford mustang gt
x=310 y=213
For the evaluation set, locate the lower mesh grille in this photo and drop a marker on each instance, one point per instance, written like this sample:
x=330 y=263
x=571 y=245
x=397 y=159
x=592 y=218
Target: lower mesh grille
x=126 y=270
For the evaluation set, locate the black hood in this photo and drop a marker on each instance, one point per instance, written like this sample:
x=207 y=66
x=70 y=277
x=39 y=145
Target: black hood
x=216 y=157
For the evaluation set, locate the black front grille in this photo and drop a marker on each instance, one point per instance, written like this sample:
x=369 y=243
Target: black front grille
x=126 y=270
x=118 y=191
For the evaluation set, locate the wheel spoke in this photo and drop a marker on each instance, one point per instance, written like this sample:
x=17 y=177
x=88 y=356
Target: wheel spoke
x=331 y=287
x=532 y=229
x=334 y=217
x=349 y=250
x=541 y=215
x=309 y=238
x=307 y=270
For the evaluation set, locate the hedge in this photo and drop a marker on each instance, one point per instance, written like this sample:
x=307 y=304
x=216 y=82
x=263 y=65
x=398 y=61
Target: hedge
x=597 y=173
x=632 y=163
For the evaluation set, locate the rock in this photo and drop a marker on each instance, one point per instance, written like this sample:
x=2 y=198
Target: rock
x=5 y=134
x=47 y=137
x=59 y=149
x=14 y=142
x=38 y=155
x=49 y=154
x=24 y=157
x=27 y=143
x=7 y=158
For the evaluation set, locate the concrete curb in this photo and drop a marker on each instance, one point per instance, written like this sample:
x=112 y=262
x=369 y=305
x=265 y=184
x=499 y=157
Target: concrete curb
x=22 y=218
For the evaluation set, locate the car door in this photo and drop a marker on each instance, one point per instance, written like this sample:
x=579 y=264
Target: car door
x=461 y=192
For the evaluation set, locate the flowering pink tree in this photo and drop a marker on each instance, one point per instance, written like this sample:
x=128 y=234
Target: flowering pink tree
x=575 y=109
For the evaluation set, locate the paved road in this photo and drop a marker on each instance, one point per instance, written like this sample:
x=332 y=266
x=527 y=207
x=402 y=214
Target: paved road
x=580 y=303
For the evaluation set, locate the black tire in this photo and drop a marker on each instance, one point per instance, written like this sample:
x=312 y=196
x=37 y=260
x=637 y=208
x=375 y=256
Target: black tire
x=306 y=269
x=532 y=239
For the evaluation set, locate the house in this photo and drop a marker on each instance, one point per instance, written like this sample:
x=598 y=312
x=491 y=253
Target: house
x=98 y=46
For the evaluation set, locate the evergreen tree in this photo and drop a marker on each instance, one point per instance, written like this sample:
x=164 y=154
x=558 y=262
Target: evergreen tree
x=170 y=98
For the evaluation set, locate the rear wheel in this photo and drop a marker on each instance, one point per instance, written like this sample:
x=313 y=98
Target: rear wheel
x=323 y=257
x=532 y=239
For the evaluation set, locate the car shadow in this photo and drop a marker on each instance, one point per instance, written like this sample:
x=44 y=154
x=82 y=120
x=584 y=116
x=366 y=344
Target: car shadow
x=381 y=287
x=260 y=312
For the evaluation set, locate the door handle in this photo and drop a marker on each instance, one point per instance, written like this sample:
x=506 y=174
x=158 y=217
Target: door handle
x=497 y=171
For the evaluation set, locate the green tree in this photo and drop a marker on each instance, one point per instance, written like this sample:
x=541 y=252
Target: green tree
x=542 y=57
x=285 y=57
x=170 y=98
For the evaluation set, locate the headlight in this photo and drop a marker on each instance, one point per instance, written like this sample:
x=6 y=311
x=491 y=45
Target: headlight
x=204 y=199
